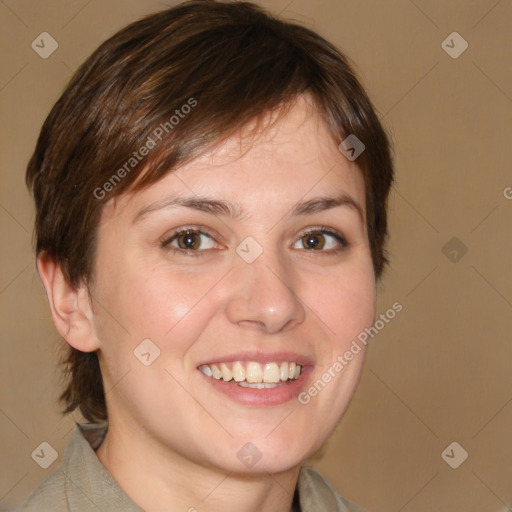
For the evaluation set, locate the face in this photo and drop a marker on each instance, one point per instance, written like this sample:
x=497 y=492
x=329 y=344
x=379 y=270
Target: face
x=244 y=265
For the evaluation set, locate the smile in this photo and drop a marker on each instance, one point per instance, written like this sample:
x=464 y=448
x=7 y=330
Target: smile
x=252 y=374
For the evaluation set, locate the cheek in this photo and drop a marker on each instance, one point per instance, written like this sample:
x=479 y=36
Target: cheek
x=345 y=302
x=162 y=304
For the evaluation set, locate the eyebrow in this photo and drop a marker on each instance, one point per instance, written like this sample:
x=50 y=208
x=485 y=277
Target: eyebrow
x=227 y=209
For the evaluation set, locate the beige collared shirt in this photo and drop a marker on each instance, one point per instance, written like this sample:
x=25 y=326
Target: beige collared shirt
x=81 y=483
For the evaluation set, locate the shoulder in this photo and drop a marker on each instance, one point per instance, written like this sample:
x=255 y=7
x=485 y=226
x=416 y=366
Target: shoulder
x=49 y=495
x=317 y=494
x=80 y=482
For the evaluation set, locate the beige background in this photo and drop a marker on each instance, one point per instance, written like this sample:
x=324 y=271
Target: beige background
x=440 y=371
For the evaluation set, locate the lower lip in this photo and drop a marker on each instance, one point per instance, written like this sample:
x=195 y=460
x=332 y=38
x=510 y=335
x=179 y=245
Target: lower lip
x=262 y=397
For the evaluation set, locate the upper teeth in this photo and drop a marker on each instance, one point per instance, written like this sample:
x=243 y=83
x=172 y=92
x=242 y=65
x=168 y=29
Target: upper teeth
x=253 y=372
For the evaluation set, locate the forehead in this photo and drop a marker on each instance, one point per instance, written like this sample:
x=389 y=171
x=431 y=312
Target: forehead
x=294 y=155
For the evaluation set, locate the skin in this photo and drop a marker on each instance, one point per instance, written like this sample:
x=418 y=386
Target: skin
x=173 y=438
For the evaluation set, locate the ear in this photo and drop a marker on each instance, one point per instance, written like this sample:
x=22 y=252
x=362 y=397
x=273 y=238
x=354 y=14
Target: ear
x=70 y=307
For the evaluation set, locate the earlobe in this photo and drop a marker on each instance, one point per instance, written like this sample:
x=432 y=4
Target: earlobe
x=70 y=307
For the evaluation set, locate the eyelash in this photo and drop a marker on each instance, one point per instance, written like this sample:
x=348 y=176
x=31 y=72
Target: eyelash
x=183 y=231
x=324 y=230
x=309 y=231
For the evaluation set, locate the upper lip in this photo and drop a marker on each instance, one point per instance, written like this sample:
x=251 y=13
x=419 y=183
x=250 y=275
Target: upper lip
x=260 y=357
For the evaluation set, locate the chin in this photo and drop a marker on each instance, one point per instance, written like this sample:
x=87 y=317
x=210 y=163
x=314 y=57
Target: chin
x=263 y=457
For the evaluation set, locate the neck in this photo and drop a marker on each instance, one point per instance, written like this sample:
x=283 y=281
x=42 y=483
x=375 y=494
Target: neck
x=154 y=477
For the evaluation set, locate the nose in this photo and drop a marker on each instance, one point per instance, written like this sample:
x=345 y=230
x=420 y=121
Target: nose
x=264 y=295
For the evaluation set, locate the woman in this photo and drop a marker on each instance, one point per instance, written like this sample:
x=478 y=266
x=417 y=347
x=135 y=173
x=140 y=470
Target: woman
x=211 y=195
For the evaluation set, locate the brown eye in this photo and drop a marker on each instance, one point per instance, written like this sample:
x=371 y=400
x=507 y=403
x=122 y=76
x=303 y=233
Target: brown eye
x=322 y=240
x=314 y=240
x=189 y=240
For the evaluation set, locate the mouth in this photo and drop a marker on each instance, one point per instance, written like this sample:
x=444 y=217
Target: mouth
x=252 y=374
x=258 y=380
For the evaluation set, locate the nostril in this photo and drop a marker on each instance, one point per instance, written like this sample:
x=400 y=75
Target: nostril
x=253 y=324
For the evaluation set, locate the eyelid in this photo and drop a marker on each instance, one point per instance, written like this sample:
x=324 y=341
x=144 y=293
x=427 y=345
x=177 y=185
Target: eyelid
x=201 y=230
x=324 y=229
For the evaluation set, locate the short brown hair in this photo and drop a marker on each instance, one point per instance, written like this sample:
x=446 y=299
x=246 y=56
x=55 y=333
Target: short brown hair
x=229 y=63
